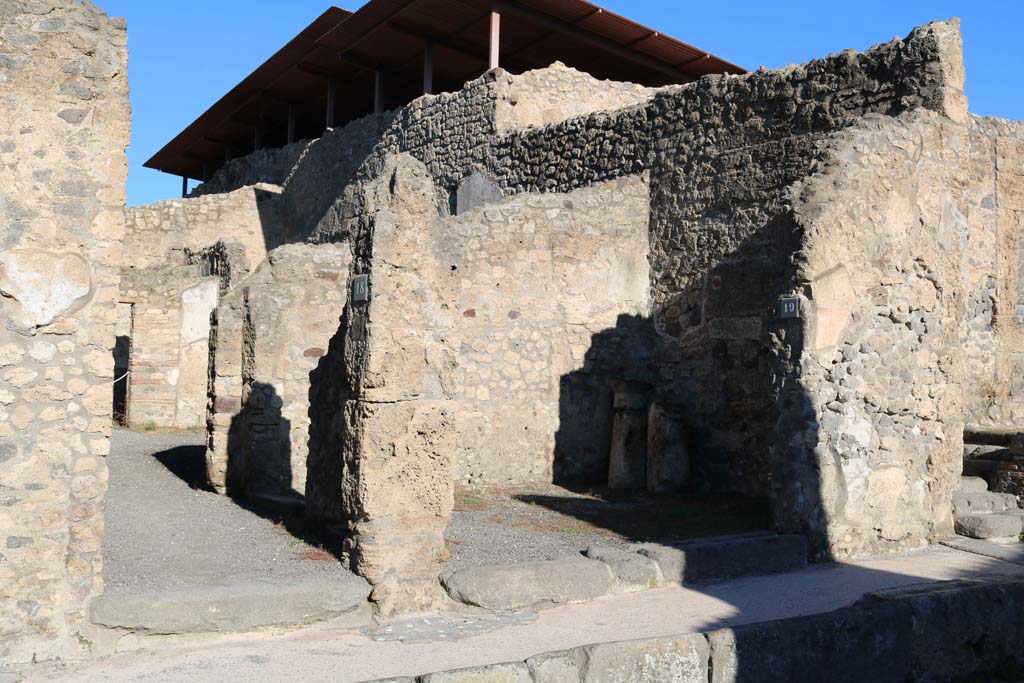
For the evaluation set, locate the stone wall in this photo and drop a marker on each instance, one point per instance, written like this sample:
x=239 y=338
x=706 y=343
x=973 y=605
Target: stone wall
x=899 y=351
x=63 y=131
x=726 y=158
x=272 y=330
x=156 y=232
x=722 y=154
x=271 y=166
x=558 y=92
x=181 y=255
x=458 y=357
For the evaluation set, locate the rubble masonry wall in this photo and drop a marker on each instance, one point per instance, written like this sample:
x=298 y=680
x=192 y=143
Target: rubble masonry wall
x=272 y=330
x=181 y=255
x=64 y=128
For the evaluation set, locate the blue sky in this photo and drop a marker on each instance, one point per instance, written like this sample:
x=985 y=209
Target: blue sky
x=185 y=54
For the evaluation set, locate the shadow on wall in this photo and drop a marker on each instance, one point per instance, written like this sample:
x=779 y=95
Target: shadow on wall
x=330 y=389
x=259 y=473
x=259 y=447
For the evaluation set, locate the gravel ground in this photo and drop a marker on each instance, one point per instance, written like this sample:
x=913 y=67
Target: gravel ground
x=162 y=534
x=513 y=526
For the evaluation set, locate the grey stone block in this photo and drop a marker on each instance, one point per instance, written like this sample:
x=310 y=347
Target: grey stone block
x=509 y=587
x=965 y=630
x=497 y=673
x=853 y=645
x=728 y=557
x=237 y=608
x=632 y=571
x=476 y=191
x=682 y=660
x=989 y=525
x=973 y=485
x=966 y=503
x=555 y=667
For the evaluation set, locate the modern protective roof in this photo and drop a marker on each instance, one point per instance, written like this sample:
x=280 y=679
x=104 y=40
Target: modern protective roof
x=348 y=50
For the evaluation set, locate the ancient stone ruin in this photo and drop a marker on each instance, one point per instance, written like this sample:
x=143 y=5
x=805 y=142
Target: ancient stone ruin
x=801 y=285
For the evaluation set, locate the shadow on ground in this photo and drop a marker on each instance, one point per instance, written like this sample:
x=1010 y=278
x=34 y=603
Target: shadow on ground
x=188 y=463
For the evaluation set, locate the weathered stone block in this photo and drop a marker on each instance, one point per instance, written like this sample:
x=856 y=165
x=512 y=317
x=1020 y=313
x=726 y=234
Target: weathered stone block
x=632 y=571
x=555 y=667
x=40 y=287
x=728 y=557
x=497 y=673
x=510 y=587
x=993 y=525
x=684 y=659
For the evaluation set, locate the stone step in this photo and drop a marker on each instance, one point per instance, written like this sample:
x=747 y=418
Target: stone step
x=530 y=585
x=608 y=570
x=992 y=526
x=973 y=485
x=236 y=608
x=980 y=467
x=967 y=503
x=728 y=557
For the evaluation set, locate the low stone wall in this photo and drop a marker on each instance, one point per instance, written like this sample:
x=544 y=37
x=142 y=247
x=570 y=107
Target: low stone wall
x=271 y=165
x=558 y=92
x=154 y=233
x=64 y=127
x=271 y=332
x=942 y=632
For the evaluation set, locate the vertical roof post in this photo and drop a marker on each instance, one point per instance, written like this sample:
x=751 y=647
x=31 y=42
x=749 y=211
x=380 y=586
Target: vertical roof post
x=291 y=124
x=331 y=105
x=184 y=186
x=378 y=92
x=495 y=40
x=428 y=69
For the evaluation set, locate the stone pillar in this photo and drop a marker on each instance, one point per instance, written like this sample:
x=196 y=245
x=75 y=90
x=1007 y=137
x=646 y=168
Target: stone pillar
x=225 y=389
x=627 y=468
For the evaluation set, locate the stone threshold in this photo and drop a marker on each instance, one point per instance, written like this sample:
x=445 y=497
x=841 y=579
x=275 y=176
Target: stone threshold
x=1007 y=552
x=610 y=571
x=232 y=608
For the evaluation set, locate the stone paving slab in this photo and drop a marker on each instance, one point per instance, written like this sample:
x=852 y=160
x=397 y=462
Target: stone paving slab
x=351 y=656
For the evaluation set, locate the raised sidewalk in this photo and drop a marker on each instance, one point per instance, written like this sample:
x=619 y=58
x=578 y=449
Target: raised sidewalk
x=339 y=656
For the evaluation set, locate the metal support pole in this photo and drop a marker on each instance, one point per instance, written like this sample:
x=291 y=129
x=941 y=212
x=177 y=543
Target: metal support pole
x=428 y=69
x=291 y=124
x=495 y=41
x=378 y=92
x=184 y=186
x=332 y=92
